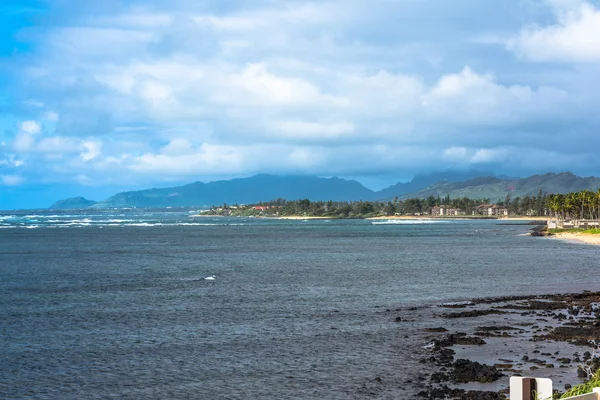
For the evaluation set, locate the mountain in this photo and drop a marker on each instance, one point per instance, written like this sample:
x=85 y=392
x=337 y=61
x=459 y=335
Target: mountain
x=264 y=187
x=422 y=181
x=72 y=203
x=242 y=191
x=497 y=189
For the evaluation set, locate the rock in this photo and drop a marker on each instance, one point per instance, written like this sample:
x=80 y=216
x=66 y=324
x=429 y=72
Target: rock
x=473 y=313
x=464 y=371
x=459 y=338
x=439 y=329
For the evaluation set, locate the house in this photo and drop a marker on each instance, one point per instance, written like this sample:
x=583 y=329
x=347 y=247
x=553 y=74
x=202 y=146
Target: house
x=492 y=210
x=440 y=211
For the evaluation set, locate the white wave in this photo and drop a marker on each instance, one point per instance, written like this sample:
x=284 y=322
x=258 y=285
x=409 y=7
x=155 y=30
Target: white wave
x=408 y=222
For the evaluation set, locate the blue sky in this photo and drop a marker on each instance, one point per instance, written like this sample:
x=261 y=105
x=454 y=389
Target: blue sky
x=103 y=96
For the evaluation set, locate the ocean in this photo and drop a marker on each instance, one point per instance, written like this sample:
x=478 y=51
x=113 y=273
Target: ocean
x=102 y=305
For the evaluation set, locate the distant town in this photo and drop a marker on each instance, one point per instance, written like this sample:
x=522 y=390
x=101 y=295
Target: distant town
x=431 y=206
x=566 y=210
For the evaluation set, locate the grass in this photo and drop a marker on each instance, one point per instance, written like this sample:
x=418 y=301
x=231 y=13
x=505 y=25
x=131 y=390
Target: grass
x=584 y=388
x=594 y=231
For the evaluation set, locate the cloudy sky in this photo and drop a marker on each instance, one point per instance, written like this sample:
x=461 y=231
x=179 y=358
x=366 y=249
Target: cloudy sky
x=100 y=96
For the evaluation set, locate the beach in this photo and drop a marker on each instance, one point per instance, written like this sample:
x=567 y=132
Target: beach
x=578 y=237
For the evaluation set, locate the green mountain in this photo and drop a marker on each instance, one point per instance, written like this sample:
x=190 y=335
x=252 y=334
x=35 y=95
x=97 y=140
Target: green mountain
x=422 y=181
x=242 y=191
x=268 y=187
x=497 y=189
x=72 y=203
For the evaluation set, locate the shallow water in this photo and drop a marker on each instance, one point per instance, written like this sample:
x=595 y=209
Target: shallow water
x=116 y=306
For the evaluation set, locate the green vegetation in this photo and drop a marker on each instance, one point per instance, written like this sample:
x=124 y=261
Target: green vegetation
x=528 y=205
x=593 y=231
x=575 y=205
x=343 y=209
x=585 y=387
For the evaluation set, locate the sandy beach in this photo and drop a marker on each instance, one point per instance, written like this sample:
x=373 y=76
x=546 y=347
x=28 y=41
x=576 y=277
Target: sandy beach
x=525 y=219
x=579 y=237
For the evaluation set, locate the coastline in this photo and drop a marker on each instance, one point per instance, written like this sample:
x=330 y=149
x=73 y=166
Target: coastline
x=578 y=237
x=469 y=349
x=299 y=217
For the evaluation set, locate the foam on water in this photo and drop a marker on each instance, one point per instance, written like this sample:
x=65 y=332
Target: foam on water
x=408 y=222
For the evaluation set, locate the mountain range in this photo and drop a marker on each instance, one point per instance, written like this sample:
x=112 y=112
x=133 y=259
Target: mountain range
x=263 y=187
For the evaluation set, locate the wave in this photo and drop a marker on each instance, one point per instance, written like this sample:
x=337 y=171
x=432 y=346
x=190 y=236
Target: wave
x=408 y=222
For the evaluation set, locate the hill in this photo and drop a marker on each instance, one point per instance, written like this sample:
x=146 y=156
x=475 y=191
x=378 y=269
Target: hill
x=243 y=191
x=72 y=203
x=497 y=189
x=269 y=187
x=422 y=181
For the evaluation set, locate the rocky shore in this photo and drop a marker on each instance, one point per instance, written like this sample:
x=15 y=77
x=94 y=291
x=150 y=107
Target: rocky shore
x=469 y=350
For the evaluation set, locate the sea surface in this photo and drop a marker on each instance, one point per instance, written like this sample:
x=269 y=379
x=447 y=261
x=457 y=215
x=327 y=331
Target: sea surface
x=117 y=305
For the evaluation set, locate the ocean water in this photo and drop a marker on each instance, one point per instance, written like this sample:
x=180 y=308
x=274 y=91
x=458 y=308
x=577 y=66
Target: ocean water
x=116 y=305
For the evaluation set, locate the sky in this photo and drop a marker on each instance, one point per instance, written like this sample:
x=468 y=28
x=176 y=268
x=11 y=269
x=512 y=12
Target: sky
x=102 y=96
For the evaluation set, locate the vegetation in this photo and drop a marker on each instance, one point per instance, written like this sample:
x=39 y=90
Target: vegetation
x=586 y=387
x=575 y=205
x=528 y=205
x=354 y=209
x=593 y=231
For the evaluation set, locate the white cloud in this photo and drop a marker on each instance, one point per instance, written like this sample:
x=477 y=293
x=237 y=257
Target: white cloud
x=468 y=97
x=30 y=127
x=26 y=136
x=312 y=130
x=91 y=149
x=574 y=38
x=488 y=156
x=11 y=180
x=455 y=153
x=170 y=90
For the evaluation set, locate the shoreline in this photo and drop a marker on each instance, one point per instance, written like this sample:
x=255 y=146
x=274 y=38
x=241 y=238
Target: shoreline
x=469 y=349
x=578 y=237
x=299 y=217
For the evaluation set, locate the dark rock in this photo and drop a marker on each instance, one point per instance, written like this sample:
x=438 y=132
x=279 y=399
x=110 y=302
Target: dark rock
x=473 y=313
x=439 y=329
x=495 y=328
x=464 y=371
x=459 y=338
x=573 y=333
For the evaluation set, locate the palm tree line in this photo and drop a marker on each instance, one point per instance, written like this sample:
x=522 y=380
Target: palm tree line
x=575 y=205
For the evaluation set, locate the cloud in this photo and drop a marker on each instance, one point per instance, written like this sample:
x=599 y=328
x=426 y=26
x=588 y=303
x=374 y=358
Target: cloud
x=11 y=180
x=92 y=150
x=299 y=130
x=574 y=38
x=177 y=90
x=471 y=98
